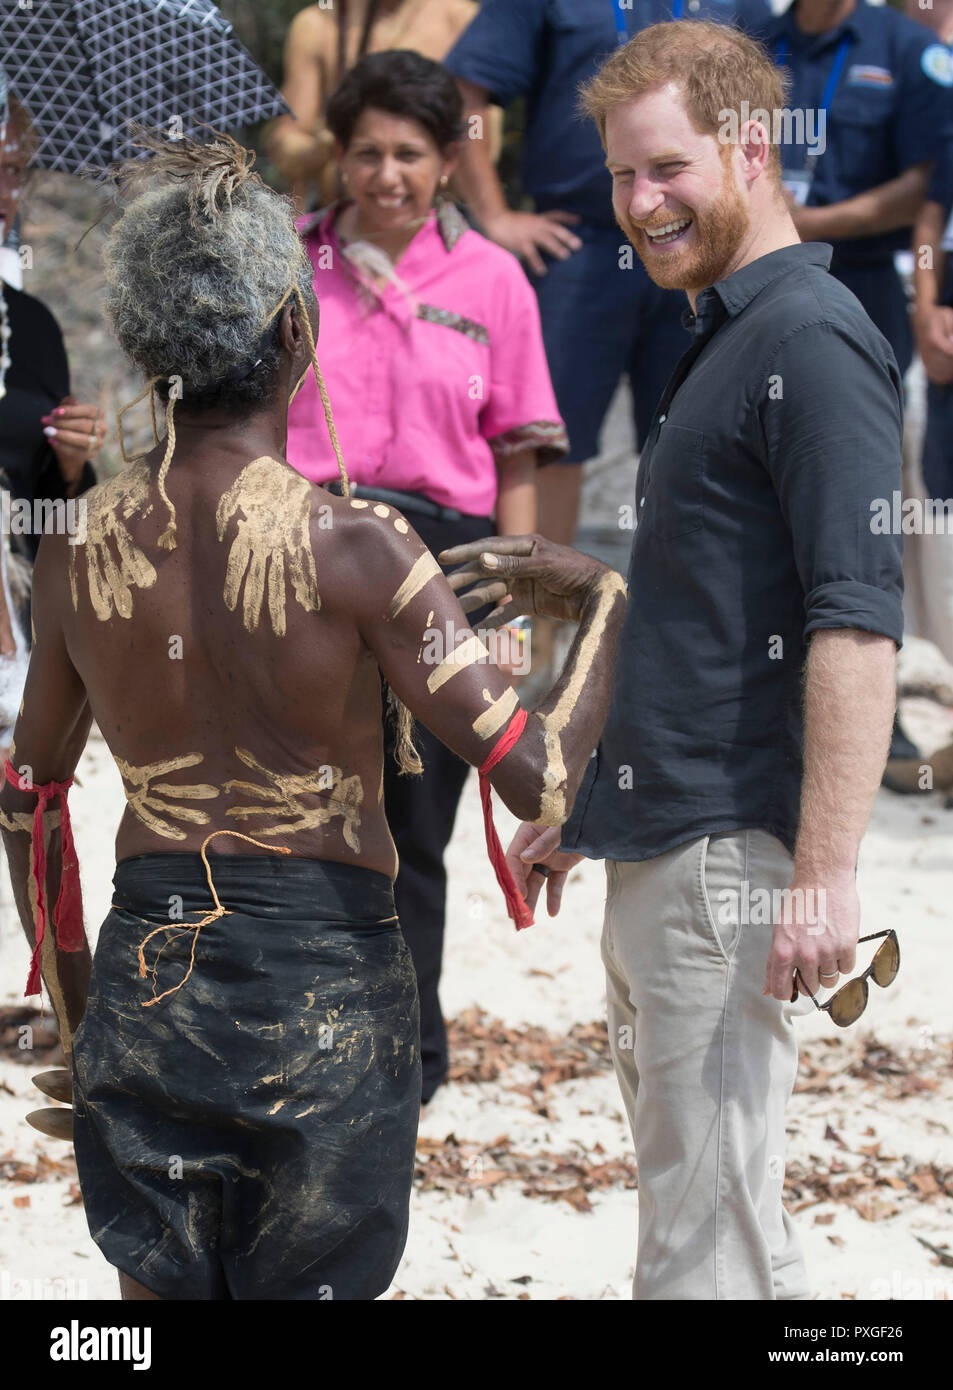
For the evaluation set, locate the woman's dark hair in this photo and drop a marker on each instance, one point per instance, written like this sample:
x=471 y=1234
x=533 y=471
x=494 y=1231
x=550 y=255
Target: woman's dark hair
x=405 y=84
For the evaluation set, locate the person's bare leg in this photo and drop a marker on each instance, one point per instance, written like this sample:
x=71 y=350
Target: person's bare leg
x=132 y=1291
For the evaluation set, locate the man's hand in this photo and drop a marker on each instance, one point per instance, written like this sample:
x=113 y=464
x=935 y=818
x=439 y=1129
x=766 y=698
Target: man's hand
x=817 y=934
x=76 y=433
x=531 y=576
x=934 y=334
x=526 y=234
x=534 y=844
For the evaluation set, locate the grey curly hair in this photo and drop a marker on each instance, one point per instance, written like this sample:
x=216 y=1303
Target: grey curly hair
x=195 y=266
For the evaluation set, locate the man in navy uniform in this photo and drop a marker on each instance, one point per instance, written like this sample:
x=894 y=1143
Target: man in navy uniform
x=601 y=314
x=875 y=90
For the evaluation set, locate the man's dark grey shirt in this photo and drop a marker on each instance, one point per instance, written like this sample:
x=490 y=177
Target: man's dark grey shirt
x=780 y=429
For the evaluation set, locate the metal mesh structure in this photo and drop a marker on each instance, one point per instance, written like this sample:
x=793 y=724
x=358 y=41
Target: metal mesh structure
x=85 y=69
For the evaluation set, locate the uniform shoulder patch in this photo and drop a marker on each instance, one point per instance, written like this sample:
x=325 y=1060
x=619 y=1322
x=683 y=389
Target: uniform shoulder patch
x=937 y=62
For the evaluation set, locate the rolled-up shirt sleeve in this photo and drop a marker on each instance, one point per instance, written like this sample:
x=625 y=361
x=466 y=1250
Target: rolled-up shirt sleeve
x=833 y=425
x=499 y=48
x=521 y=410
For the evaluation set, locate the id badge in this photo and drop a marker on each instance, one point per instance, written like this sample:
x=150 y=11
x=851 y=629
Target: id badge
x=798 y=182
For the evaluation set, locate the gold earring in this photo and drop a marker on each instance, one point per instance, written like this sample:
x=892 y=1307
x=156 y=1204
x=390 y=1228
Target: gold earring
x=443 y=180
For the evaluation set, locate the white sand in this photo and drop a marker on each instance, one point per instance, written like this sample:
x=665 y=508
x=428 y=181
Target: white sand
x=475 y=1244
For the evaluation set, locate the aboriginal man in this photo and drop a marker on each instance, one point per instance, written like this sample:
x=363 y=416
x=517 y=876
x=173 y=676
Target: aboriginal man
x=245 y=1051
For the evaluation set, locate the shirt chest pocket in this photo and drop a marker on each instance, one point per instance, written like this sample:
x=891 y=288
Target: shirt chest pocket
x=863 y=128
x=674 y=497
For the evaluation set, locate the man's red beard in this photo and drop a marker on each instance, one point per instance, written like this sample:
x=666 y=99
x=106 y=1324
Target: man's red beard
x=716 y=236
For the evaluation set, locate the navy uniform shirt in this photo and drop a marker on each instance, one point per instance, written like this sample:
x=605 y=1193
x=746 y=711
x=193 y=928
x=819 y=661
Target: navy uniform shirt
x=889 y=108
x=757 y=490
x=543 y=50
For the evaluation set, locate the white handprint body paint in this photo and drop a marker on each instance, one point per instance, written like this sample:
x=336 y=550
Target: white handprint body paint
x=275 y=529
x=281 y=796
x=153 y=802
x=113 y=577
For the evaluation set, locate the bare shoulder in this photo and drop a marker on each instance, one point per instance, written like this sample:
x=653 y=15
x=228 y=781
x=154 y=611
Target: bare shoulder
x=372 y=547
x=313 y=31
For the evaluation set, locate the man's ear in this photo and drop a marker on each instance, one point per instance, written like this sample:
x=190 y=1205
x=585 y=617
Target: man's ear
x=290 y=332
x=755 y=145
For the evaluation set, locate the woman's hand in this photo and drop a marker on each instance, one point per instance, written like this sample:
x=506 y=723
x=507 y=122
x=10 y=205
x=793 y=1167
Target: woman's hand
x=76 y=433
x=530 y=575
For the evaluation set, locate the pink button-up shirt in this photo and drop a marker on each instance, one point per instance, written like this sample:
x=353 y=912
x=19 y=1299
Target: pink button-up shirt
x=428 y=391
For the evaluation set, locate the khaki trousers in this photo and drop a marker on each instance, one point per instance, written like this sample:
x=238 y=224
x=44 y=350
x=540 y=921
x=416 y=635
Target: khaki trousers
x=706 y=1064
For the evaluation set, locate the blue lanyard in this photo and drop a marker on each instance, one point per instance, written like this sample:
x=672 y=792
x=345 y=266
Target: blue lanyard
x=833 y=77
x=621 y=27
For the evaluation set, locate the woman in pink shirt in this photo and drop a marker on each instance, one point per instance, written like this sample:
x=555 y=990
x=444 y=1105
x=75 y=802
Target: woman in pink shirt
x=432 y=353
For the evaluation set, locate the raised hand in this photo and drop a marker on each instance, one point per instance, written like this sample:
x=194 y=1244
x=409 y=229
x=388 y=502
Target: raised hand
x=522 y=575
x=76 y=433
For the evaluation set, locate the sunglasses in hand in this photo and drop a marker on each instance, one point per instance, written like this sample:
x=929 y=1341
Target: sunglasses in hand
x=846 y=1004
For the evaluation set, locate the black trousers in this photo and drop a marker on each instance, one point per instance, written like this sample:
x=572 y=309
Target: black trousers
x=252 y=1135
x=421 y=812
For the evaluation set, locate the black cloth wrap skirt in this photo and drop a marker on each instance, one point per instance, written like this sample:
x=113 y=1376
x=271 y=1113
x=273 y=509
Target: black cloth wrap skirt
x=252 y=1135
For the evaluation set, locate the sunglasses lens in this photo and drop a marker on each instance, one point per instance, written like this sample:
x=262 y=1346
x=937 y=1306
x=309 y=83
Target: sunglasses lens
x=886 y=963
x=849 y=1003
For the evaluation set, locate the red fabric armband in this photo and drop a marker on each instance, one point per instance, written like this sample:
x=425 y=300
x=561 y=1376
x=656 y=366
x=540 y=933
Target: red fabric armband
x=517 y=907
x=68 y=913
